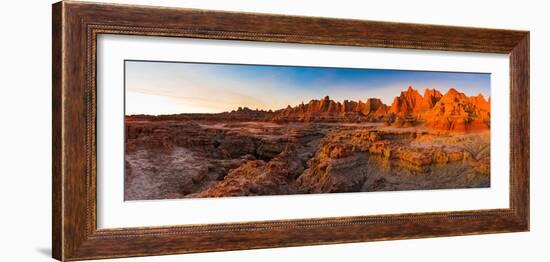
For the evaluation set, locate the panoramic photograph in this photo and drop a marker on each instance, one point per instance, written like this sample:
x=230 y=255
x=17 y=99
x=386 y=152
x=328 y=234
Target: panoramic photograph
x=201 y=130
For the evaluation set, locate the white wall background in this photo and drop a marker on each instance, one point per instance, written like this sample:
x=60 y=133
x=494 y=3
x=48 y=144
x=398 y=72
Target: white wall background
x=25 y=132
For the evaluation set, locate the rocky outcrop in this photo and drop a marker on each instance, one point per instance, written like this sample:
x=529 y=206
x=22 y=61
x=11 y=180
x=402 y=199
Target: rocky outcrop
x=327 y=110
x=453 y=111
x=368 y=160
x=258 y=177
x=373 y=106
x=430 y=98
x=457 y=112
x=407 y=103
x=177 y=159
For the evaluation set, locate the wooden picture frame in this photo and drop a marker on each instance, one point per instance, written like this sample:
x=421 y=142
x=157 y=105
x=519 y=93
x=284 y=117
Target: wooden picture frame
x=76 y=26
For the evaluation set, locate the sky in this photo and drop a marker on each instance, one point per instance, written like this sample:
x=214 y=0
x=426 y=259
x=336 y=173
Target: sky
x=157 y=88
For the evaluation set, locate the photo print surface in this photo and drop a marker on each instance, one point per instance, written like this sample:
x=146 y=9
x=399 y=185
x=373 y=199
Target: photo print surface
x=199 y=130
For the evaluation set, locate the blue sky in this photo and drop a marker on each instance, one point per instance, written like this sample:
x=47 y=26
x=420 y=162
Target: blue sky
x=168 y=88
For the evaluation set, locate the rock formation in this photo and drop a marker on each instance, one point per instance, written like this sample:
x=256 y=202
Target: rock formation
x=453 y=111
x=407 y=103
x=327 y=110
x=369 y=160
x=294 y=150
x=204 y=158
x=457 y=112
x=431 y=97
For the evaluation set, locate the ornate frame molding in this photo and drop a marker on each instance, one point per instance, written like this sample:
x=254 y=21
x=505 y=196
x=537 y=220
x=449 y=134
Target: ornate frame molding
x=76 y=26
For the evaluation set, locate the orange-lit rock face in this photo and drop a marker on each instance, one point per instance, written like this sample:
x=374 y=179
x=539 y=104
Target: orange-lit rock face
x=431 y=97
x=407 y=103
x=457 y=112
x=453 y=111
x=375 y=106
x=329 y=110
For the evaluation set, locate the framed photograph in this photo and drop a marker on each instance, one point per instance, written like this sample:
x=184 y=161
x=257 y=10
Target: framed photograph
x=181 y=130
